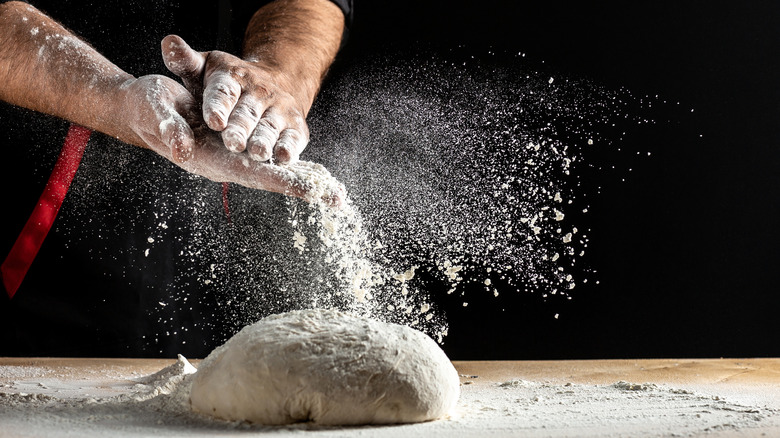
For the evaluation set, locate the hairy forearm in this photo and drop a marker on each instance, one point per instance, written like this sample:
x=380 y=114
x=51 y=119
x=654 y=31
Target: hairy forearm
x=298 y=39
x=45 y=68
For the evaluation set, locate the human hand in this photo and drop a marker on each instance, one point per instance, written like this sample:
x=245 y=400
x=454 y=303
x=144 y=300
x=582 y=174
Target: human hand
x=253 y=106
x=162 y=113
x=154 y=108
x=303 y=179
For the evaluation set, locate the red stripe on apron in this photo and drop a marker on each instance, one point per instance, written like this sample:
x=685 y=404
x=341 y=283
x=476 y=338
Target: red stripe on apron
x=26 y=247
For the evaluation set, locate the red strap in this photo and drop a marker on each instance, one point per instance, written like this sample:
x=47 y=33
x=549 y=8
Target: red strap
x=15 y=266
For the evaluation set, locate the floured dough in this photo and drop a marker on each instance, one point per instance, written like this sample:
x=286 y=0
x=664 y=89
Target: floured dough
x=329 y=368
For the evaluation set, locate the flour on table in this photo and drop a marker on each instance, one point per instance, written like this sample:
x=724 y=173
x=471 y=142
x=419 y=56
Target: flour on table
x=108 y=402
x=328 y=368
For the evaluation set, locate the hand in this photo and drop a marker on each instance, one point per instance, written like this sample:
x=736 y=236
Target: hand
x=162 y=113
x=252 y=106
x=154 y=108
x=302 y=179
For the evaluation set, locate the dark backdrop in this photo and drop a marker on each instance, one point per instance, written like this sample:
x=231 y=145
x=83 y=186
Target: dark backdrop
x=686 y=247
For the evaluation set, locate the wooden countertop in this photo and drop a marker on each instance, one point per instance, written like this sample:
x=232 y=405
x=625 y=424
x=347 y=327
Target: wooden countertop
x=757 y=371
x=571 y=398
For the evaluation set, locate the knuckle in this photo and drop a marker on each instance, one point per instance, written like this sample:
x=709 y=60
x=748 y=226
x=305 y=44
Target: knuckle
x=252 y=112
x=246 y=111
x=295 y=136
x=262 y=92
x=225 y=89
x=303 y=128
x=238 y=72
x=214 y=114
x=290 y=136
x=269 y=124
x=263 y=137
x=218 y=59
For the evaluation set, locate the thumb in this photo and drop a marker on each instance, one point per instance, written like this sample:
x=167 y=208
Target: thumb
x=178 y=136
x=184 y=62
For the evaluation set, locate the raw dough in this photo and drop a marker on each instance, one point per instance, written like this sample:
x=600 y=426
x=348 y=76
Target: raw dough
x=327 y=367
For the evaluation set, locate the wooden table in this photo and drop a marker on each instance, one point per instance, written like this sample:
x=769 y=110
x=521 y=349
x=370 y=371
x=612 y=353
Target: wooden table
x=746 y=391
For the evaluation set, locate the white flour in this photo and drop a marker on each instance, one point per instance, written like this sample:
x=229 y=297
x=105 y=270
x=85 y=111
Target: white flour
x=127 y=406
x=361 y=279
x=471 y=173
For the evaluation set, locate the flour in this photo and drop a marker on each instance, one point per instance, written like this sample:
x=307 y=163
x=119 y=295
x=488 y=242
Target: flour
x=453 y=187
x=619 y=409
x=365 y=283
x=299 y=241
x=453 y=168
x=126 y=406
x=468 y=164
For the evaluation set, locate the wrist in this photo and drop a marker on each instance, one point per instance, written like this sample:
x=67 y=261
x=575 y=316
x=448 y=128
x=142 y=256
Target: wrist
x=297 y=40
x=301 y=85
x=119 y=106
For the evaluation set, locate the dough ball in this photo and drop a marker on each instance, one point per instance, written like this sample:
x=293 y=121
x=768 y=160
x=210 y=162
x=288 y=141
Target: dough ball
x=327 y=367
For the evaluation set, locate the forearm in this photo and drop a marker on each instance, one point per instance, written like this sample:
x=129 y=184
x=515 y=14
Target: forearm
x=45 y=68
x=298 y=39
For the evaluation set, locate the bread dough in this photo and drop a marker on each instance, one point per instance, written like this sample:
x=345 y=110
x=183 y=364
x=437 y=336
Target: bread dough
x=327 y=367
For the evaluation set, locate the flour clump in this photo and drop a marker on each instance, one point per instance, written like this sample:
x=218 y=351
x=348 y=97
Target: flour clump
x=329 y=368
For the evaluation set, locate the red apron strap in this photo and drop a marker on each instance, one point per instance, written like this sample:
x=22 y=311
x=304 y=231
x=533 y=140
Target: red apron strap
x=26 y=247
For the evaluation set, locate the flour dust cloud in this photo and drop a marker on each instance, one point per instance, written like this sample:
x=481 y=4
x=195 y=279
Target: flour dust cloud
x=460 y=173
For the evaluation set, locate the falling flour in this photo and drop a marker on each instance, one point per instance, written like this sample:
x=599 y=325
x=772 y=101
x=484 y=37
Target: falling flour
x=450 y=168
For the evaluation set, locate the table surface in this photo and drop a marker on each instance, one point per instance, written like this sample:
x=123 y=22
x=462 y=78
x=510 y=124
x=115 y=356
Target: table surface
x=736 y=397
x=747 y=371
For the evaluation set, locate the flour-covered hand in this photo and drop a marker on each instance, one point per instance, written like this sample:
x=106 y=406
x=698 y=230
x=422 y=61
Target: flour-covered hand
x=252 y=105
x=163 y=114
x=154 y=107
x=302 y=179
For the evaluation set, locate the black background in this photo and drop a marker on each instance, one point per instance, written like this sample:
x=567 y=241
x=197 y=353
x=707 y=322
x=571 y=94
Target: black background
x=687 y=247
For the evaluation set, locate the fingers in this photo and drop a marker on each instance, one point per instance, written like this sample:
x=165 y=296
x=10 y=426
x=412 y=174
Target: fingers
x=178 y=136
x=155 y=108
x=184 y=62
x=246 y=104
x=289 y=146
x=271 y=138
x=175 y=130
x=261 y=144
x=242 y=122
x=309 y=181
x=220 y=96
x=247 y=125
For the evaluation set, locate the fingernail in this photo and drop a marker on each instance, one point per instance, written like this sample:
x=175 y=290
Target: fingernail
x=185 y=155
x=215 y=120
x=282 y=154
x=259 y=153
x=182 y=154
x=233 y=140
